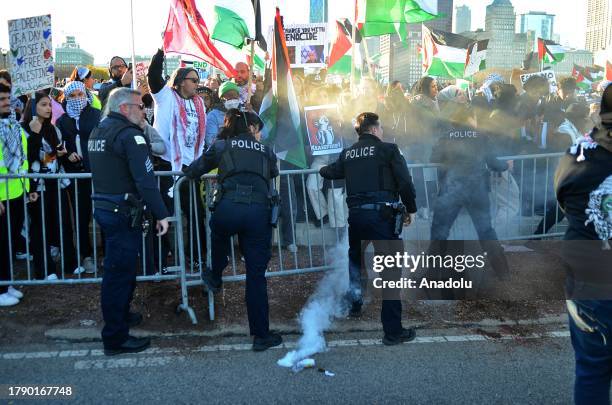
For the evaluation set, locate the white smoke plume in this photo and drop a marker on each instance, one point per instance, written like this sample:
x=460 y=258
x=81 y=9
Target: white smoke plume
x=323 y=307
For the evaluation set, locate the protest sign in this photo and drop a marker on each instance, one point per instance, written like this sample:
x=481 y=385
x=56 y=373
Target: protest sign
x=547 y=74
x=31 y=57
x=324 y=140
x=142 y=68
x=306 y=44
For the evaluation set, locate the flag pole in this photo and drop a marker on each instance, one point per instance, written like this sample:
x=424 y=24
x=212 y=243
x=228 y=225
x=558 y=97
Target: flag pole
x=367 y=54
x=133 y=47
x=353 y=34
x=249 y=89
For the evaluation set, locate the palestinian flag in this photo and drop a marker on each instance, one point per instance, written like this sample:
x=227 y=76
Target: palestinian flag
x=380 y=17
x=583 y=77
x=280 y=111
x=446 y=55
x=342 y=43
x=550 y=52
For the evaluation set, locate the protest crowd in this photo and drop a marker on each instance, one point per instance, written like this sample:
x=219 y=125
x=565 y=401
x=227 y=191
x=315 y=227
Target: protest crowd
x=57 y=123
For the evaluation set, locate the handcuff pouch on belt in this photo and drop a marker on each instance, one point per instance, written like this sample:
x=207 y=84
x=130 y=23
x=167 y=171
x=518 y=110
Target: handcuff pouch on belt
x=243 y=194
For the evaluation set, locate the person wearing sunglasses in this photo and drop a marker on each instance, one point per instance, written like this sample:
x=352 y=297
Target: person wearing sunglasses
x=123 y=179
x=120 y=76
x=180 y=119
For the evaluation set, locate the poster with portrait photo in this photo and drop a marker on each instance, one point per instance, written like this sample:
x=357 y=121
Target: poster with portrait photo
x=324 y=139
x=311 y=54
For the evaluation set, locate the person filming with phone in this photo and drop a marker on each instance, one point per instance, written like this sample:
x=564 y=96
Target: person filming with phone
x=120 y=76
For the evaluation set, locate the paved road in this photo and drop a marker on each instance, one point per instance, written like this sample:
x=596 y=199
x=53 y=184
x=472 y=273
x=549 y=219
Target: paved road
x=441 y=368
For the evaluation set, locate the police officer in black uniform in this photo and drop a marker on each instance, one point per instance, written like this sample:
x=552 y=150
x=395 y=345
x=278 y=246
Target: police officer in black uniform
x=242 y=205
x=376 y=174
x=467 y=157
x=124 y=190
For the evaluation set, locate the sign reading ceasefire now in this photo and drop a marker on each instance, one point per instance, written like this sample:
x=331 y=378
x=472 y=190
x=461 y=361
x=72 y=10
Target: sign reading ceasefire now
x=31 y=54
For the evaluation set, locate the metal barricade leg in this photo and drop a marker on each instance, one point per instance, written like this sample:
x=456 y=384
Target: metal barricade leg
x=184 y=305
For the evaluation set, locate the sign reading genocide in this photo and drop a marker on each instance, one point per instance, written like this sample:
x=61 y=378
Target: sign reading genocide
x=324 y=138
x=31 y=54
x=547 y=74
x=306 y=44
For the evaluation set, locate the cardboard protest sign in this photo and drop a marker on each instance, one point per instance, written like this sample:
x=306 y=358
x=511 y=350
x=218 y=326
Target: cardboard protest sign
x=547 y=74
x=323 y=138
x=306 y=44
x=142 y=68
x=31 y=57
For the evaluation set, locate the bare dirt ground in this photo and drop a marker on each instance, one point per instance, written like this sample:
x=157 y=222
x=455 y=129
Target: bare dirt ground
x=45 y=307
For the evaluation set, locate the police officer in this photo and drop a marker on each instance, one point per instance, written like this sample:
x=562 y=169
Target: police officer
x=466 y=157
x=376 y=174
x=242 y=206
x=122 y=175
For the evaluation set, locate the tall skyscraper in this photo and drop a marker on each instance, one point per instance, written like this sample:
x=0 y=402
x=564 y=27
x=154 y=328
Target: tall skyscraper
x=318 y=11
x=540 y=22
x=463 y=19
x=599 y=24
x=505 y=48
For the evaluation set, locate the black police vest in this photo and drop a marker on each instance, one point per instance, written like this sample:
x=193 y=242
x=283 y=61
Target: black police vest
x=367 y=168
x=244 y=155
x=110 y=172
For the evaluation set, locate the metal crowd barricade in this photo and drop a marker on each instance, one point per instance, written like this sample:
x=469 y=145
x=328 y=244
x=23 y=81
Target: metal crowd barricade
x=301 y=243
x=513 y=216
x=24 y=274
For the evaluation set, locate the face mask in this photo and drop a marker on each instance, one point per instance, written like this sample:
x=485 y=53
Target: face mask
x=229 y=104
x=74 y=106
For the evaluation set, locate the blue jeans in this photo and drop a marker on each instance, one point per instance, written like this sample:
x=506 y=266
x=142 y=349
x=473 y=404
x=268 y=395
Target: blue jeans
x=590 y=327
x=251 y=222
x=122 y=247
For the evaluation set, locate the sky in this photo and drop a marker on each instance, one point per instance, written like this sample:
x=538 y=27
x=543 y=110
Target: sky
x=103 y=28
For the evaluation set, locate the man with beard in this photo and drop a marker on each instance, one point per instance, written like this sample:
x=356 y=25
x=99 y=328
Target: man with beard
x=120 y=76
x=242 y=81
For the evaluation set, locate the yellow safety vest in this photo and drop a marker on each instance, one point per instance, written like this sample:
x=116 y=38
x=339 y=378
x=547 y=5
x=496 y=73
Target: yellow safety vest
x=15 y=186
x=96 y=103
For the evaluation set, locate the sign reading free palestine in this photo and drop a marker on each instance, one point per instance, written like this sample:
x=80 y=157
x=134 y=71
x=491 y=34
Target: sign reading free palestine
x=31 y=57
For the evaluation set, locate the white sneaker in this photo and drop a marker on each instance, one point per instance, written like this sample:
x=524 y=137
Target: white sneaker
x=89 y=265
x=7 y=300
x=24 y=256
x=52 y=277
x=78 y=270
x=15 y=292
